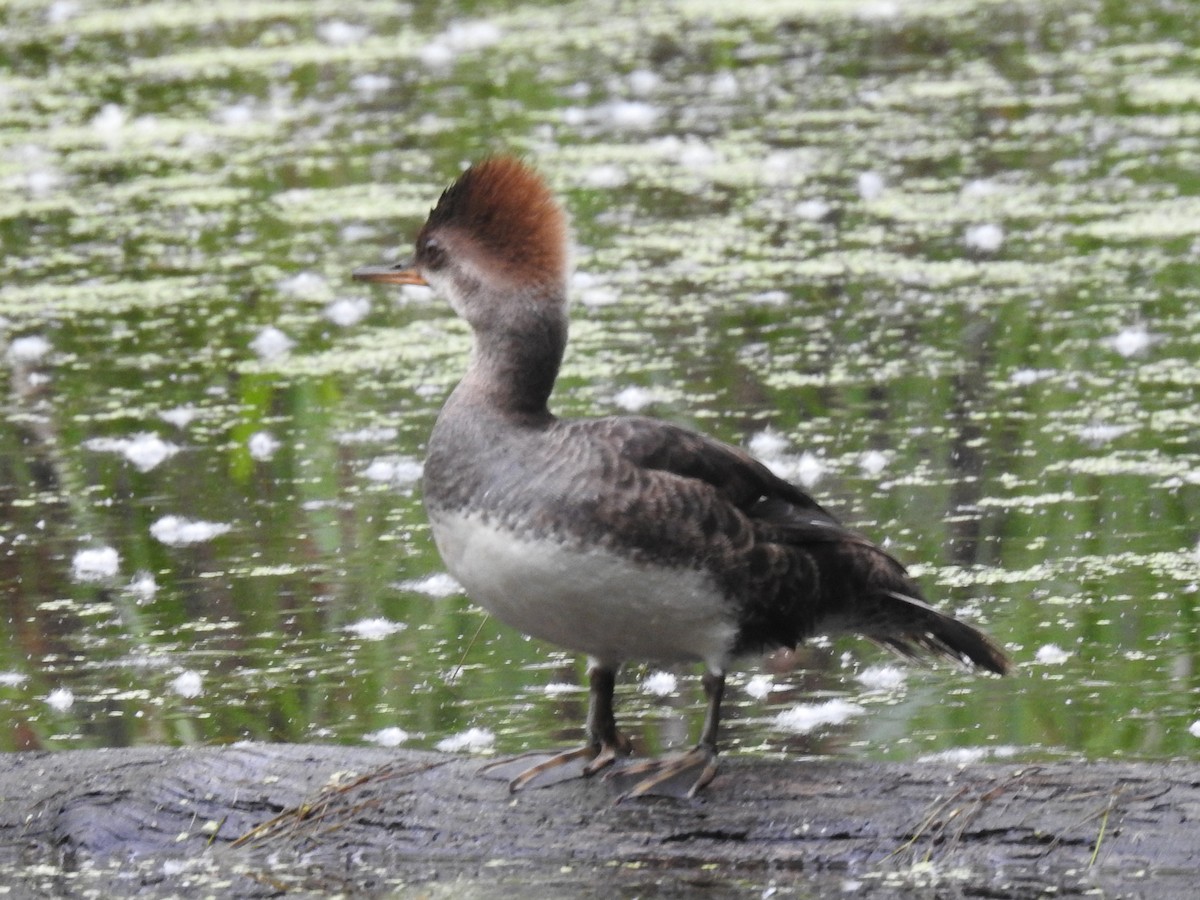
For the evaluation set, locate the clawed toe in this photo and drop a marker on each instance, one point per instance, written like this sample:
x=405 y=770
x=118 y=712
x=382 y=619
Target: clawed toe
x=540 y=769
x=536 y=770
x=680 y=777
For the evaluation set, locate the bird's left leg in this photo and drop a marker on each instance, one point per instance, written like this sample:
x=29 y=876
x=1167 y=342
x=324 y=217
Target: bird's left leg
x=684 y=775
x=605 y=744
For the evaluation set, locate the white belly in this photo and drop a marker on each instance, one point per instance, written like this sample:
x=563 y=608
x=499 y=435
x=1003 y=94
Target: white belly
x=594 y=602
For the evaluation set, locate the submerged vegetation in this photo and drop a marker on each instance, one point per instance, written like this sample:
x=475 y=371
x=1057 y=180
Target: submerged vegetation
x=940 y=261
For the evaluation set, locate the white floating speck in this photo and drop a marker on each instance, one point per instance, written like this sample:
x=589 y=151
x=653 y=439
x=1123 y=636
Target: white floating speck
x=176 y=531
x=95 y=564
x=882 y=678
x=635 y=398
x=110 y=120
x=1051 y=655
x=61 y=699
x=986 y=238
x=767 y=443
x=1131 y=341
x=980 y=187
x=556 y=688
x=1023 y=377
x=372 y=434
x=341 y=34
x=348 y=311
x=1194 y=729
x=60 y=11
x=724 y=85
x=809 y=469
x=582 y=280
x=440 y=584
x=305 y=286
x=965 y=756
x=787 y=166
x=28 y=349
x=1102 y=434
x=387 y=737
x=959 y=756
x=188 y=683
x=805 y=717
x=41 y=182
x=143 y=587
x=181 y=416
x=660 y=684
x=769 y=298
x=644 y=81
x=413 y=293
x=591 y=291
x=813 y=210
x=461 y=37
x=369 y=84
x=435 y=55
x=146 y=451
x=760 y=686
x=472 y=34
x=236 y=114
x=375 y=629
x=878 y=9
x=396 y=470
x=873 y=462
x=472 y=740
x=574 y=116
x=595 y=297
x=697 y=155
x=271 y=343
x=604 y=176
x=631 y=115
x=263 y=445
x=871 y=185
x=12 y=679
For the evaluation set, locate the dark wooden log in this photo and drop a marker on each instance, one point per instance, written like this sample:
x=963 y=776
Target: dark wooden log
x=325 y=818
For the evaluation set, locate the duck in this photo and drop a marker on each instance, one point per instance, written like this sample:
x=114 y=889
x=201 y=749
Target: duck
x=623 y=538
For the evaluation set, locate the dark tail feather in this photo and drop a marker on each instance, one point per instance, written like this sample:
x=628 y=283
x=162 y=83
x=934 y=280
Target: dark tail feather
x=926 y=629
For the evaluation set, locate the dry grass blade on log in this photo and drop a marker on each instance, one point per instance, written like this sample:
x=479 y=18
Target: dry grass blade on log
x=332 y=808
x=936 y=826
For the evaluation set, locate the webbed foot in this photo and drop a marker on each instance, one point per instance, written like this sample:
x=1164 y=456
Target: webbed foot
x=681 y=776
x=542 y=769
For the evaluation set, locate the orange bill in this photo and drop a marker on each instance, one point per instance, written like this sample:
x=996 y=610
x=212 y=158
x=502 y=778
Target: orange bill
x=401 y=273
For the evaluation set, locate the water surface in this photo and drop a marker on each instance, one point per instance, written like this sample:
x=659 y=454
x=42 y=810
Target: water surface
x=936 y=260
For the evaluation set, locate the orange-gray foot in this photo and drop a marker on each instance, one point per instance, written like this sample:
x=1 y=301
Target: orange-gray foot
x=681 y=776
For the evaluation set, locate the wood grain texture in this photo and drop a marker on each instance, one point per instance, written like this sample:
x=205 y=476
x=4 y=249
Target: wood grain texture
x=143 y=820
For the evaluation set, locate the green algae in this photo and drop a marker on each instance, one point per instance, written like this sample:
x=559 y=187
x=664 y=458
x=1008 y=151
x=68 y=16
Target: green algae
x=149 y=17
x=356 y=203
x=35 y=302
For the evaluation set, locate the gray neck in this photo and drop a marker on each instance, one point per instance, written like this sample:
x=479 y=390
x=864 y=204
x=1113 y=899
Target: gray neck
x=514 y=363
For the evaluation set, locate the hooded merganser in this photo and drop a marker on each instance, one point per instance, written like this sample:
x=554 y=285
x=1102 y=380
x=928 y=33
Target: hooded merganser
x=624 y=538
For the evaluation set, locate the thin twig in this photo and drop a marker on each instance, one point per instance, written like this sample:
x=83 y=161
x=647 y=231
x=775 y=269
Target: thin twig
x=965 y=814
x=924 y=826
x=328 y=811
x=1112 y=802
x=471 y=643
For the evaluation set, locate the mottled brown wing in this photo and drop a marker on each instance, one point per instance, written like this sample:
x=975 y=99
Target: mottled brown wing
x=791 y=567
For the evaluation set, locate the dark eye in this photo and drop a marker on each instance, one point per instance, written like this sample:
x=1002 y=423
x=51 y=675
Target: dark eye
x=430 y=253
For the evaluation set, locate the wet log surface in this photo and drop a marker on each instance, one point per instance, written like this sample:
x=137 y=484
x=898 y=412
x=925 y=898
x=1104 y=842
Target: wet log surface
x=155 y=821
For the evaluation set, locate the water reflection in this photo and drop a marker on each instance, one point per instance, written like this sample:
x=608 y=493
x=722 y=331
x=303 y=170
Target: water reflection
x=930 y=242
